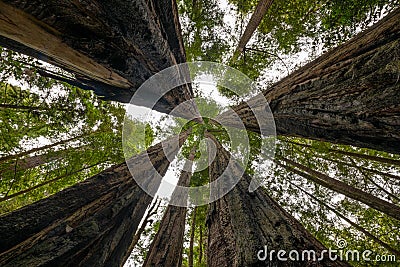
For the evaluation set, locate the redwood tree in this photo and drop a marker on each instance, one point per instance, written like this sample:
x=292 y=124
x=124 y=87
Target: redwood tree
x=110 y=46
x=241 y=223
x=167 y=245
x=348 y=95
x=90 y=224
x=255 y=20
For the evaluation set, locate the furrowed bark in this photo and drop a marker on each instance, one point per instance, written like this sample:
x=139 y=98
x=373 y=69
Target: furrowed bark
x=340 y=187
x=89 y=224
x=364 y=171
x=111 y=46
x=347 y=96
x=201 y=244
x=167 y=245
x=24 y=164
x=241 y=223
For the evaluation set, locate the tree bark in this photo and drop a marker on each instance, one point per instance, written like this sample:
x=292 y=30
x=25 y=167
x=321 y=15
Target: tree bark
x=255 y=20
x=22 y=192
x=340 y=187
x=241 y=223
x=167 y=245
x=364 y=172
x=89 y=224
x=191 y=242
x=348 y=95
x=147 y=220
x=111 y=46
x=200 y=244
x=37 y=160
x=356 y=226
x=26 y=108
x=394 y=162
x=37 y=149
x=27 y=163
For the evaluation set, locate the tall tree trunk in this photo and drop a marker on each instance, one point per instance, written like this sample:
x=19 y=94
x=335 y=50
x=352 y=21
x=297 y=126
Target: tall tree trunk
x=89 y=224
x=37 y=160
x=356 y=226
x=167 y=245
x=340 y=187
x=348 y=95
x=394 y=162
x=25 y=108
x=6 y=197
x=364 y=172
x=355 y=165
x=112 y=46
x=147 y=220
x=241 y=223
x=27 y=163
x=200 y=244
x=37 y=149
x=191 y=242
x=255 y=20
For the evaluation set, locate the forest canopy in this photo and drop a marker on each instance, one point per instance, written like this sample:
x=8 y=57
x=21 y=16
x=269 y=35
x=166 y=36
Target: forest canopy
x=335 y=175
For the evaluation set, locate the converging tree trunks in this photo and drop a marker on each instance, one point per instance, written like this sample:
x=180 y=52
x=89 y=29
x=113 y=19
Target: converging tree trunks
x=90 y=224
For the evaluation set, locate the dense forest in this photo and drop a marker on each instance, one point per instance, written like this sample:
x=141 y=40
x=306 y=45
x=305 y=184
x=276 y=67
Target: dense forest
x=87 y=158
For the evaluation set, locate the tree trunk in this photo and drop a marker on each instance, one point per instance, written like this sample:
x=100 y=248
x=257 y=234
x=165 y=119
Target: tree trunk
x=342 y=188
x=241 y=224
x=364 y=172
x=255 y=20
x=112 y=46
x=27 y=163
x=394 y=162
x=356 y=226
x=22 y=192
x=89 y=224
x=26 y=108
x=167 y=245
x=200 y=244
x=348 y=95
x=191 y=242
x=147 y=220
x=37 y=149
x=37 y=160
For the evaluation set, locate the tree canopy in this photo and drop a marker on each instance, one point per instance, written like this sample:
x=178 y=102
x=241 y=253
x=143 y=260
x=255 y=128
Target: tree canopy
x=55 y=135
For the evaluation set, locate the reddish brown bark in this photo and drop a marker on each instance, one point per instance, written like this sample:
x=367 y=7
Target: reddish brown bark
x=90 y=224
x=348 y=95
x=167 y=245
x=241 y=223
x=356 y=226
x=340 y=187
x=112 y=47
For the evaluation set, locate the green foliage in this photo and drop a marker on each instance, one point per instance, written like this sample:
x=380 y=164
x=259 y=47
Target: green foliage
x=203 y=30
x=293 y=26
x=289 y=190
x=53 y=135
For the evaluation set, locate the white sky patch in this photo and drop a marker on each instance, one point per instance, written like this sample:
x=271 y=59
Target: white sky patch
x=207 y=86
x=170 y=180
